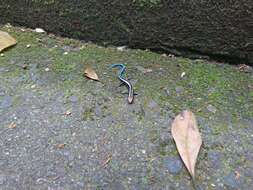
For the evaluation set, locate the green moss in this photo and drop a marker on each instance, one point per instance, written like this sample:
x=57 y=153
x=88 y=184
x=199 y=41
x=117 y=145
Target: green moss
x=63 y=66
x=219 y=85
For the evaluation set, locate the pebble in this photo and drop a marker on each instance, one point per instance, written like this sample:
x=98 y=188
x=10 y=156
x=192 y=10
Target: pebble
x=173 y=164
x=152 y=104
x=39 y=30
x=28 y=45
x=179 y=89
x=98 y=111
x=73 y=98
x=215 y=159
x=47 y=69
x=167 y=91
x=211 y=108
x=6 y=102
x=2 y=55
x=121 y=48
x=183 y=74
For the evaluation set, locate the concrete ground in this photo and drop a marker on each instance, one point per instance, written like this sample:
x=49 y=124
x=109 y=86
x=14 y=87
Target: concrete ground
x=61 y=131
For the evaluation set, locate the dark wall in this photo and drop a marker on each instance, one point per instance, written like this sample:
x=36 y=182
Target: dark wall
x=220 y=27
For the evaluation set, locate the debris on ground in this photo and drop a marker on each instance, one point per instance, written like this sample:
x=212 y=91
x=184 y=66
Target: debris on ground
x=39 y=30
x=188 y=139
x=6 y=41
x=90 y=73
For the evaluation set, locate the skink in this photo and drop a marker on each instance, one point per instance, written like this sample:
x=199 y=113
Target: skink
x=126 y=82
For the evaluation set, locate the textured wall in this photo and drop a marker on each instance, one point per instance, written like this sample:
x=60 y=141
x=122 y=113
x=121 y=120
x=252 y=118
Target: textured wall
x=211 y=27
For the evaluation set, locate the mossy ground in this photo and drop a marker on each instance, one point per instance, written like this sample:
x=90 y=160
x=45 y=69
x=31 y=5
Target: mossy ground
x=219 y=94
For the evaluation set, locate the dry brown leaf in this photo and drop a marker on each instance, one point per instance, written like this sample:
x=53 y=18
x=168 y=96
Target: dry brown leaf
x=188 y=140
x=237 y=175
x=12 y=126
x=6 y=40
x=61 y=145
x=107 y=160
x=245 y=68
x=67 y=113
x=90 y=73
x=148 y=70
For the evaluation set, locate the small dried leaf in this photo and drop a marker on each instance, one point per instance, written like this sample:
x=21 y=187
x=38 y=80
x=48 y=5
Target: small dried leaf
x=12 y=126
x=61 y=145
x=107 y=160
x=148 y=70
x=245 y=68
x=188 y=140
x=6 y=40
x=90 y=73
x=237 y=175
x=67 y=113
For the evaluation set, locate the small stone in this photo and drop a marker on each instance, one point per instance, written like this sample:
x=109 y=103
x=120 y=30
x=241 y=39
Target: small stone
x=22 y=29
x=24 y=66
x=215 y=159
x=33 y=86
x=183 y=74
x=179 y=89
x=121 y=48
x=82 y=47
x=211 y=108
x=8 y=25
x=98 y=111
x=47 y=69
x=152 y=104
x=143 y=151
x=73 y=98
x=2 y=55
x=173 y=165
x=65 y=53
x=39 y=30
x=167 y=91
x=28 y=45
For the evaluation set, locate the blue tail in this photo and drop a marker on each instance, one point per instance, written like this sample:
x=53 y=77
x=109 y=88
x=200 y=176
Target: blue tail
x=122 y=71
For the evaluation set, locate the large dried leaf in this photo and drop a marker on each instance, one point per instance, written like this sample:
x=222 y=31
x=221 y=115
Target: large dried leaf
x=90 y=73
x=6 y=40
x=188 y=140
